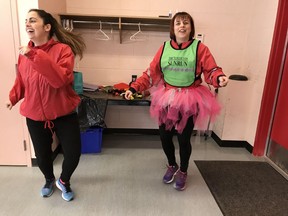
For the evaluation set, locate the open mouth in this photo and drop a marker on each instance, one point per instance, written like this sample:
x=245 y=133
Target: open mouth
x=29 y=30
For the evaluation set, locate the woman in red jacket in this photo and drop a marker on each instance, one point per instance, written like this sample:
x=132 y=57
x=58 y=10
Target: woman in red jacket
x=45 y=83
x=178 y=100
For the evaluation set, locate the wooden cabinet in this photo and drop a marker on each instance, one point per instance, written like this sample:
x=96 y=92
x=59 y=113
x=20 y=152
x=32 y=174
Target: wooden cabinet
x=120 y=23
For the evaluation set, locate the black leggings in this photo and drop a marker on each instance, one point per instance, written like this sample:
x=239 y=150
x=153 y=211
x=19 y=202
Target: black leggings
x=68 y=132
x=185 y=148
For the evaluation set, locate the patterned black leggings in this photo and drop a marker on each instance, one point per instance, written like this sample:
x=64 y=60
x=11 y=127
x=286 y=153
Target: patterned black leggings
x=185 y=148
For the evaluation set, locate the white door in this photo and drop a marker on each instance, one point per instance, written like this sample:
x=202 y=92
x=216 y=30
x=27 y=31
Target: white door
x=12 y=125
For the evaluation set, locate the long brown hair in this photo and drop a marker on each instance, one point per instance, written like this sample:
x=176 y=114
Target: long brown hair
x=182 y=15
x=76 y=42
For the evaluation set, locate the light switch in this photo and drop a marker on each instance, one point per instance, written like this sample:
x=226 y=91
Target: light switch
x=200 y=37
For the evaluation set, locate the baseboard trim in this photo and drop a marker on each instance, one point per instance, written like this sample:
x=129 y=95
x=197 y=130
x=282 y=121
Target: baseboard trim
x=131 y=130
x=221 y=143
x=232 y=143
x=142 y=131
x=34 y=162
x=54 y=155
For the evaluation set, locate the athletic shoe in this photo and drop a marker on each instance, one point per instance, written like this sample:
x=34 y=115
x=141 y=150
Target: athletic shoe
x=180 y=182
x=47 y=189
x=67 y=193
x=170 y=173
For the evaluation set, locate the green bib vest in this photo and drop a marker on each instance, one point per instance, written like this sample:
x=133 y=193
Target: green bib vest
x=179 y=66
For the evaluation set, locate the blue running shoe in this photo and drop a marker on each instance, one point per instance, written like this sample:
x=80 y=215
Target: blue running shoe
x=67 y=193
x=170 y=173
x=180 y=182
x=47 y=189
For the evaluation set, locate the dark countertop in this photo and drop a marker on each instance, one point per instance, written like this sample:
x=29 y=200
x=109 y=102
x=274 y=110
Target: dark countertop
x=117 y=100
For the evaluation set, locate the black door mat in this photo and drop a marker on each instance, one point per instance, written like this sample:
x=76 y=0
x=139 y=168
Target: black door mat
x=246 y=187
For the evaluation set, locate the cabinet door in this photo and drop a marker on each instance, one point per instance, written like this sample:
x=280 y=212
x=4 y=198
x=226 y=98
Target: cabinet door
x=12 y=126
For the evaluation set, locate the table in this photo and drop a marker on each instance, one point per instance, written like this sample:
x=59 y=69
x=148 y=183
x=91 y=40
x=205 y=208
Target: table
x=92 y=110
x=117 y=100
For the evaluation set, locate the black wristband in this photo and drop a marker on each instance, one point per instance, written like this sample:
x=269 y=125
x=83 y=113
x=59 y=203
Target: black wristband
x=132 y=90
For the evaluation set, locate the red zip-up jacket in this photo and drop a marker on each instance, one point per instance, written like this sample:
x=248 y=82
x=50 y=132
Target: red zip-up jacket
x=44 y=80
x=205 y=64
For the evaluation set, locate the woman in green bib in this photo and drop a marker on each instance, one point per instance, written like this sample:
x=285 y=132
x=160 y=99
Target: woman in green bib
x=178 y=100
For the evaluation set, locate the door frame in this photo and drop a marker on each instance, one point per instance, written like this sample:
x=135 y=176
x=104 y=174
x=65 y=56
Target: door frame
x=17 y=43
x=21 y=121
x=272 y=80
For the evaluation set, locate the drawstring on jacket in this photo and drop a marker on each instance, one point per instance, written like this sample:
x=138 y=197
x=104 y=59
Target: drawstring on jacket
x=50 y=125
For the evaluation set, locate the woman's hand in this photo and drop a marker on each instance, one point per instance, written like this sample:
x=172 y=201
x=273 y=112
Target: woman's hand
x=223 y=81
x=128 y=95
x=23 y=50
x=9 y=105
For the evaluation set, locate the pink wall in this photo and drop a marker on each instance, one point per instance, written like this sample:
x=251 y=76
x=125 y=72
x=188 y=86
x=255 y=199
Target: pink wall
x=238 y=33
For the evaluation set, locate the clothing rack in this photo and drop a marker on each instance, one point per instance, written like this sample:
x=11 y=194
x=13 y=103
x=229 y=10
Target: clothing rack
x=118 y=22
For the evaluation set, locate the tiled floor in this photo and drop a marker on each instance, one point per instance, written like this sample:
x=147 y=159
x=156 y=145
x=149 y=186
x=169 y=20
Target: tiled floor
x=125 y=179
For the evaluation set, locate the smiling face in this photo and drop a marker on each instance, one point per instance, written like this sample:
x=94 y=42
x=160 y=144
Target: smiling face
x=37 y=31
x=182 y=29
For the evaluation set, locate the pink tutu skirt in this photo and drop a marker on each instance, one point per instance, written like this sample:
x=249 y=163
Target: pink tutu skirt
x=173 y=106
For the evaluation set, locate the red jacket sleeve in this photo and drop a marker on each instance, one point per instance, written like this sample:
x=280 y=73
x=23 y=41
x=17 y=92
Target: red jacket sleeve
x=18 y=90
x=151 y=76
x=207 y=65
x=56 y=67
